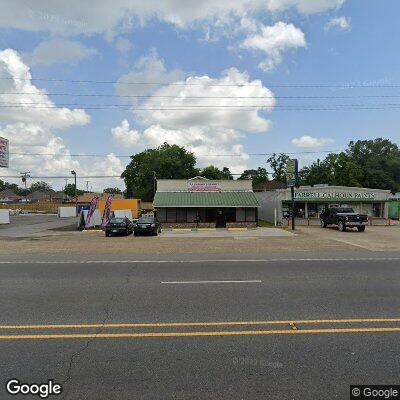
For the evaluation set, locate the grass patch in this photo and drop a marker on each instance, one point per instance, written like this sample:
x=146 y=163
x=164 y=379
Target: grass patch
x=265 y=224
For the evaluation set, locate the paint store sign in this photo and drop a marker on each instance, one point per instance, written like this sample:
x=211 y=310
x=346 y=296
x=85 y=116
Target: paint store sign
x=334 y=195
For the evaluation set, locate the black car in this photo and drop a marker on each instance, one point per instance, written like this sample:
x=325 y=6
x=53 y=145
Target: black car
x=147 y=224
x=119 y=226
x=343 y=217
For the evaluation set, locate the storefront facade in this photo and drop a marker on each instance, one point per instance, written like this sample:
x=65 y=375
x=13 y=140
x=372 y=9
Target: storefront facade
x=200 y=202
x=311 y=201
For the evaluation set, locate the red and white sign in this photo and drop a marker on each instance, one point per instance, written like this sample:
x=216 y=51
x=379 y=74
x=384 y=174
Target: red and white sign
x=204 y=187
x=3 y=152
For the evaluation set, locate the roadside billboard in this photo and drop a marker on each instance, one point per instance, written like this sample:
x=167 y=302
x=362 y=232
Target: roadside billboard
x=4 y=152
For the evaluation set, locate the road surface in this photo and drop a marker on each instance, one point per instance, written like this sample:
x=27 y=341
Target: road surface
x=297 y=327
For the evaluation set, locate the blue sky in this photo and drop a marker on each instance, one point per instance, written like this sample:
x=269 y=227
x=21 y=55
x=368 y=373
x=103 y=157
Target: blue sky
x=264 y=43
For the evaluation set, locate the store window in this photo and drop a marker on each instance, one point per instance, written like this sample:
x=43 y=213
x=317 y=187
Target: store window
x=240 y=214
x=377 y=210
x=250 y=214
x=181 y=215
x=171 y=214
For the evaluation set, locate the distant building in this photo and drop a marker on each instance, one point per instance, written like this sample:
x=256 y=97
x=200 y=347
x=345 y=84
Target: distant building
x=86 y=198
x=9 y=196
x=269 y=185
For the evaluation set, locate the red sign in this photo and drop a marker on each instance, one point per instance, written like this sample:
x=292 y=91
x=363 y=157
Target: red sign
x=204 y=187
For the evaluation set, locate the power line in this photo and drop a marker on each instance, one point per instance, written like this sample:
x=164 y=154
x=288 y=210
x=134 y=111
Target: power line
x=196 y=97
x=199 y=105
x=333 y=107
x=122 y=82
x=203 y=155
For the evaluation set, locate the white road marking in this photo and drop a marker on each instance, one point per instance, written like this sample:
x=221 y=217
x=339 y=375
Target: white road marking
x=194 y=282
x=265 y=260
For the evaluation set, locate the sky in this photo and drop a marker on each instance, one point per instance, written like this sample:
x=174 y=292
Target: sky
x=234 y=78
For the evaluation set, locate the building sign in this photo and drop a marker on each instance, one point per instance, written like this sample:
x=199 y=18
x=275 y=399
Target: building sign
x=292 y=172
x=3 y=153
x=203 y=186
x=334 y=196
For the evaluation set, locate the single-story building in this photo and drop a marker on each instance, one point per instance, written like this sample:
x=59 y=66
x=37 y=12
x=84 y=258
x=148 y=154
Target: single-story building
x=9 y=196
x=310 y=201
x=205 y=203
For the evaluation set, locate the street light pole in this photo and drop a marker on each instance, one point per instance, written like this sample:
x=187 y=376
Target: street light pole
x=76 y=197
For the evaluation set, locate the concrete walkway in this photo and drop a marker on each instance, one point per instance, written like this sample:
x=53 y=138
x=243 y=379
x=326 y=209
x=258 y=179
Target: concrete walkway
x=248 y=233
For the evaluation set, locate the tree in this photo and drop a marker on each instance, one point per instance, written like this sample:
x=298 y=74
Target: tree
x=257 y=176
x=70 y=190
x=164 y=162
x=365 y=163
x=278 y=164
x=12 y=186
x=114 y=190
x=212 y=172
x=42 y=186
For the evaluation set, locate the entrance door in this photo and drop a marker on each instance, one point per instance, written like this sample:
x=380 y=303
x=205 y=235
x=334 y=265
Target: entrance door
x=220 y=221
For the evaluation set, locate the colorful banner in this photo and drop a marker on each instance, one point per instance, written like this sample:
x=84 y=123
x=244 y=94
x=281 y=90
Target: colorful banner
x=93 y=206
x=107 y=211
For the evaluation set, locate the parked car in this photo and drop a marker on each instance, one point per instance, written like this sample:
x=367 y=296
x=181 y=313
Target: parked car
x=119 y=226
x=147 y=224
x=343 y=217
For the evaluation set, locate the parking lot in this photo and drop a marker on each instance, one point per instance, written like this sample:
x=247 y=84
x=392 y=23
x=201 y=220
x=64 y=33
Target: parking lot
x=375 y=238
x=30 y=234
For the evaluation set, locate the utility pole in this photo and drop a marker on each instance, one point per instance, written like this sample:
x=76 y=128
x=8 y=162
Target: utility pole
x=75 y=195
x=87 y=186
x=292 y=178
x=154 y=183
x=24 y=176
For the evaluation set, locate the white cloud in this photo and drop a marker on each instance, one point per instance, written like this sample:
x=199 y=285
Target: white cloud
x=342 y=23
x=58 y=50
x=75 y=16
x=33 y=130
x=274 y=40
x=311 y=142
x=123 y=45
x=149 y=68
x=174 y=113
x=124 y=136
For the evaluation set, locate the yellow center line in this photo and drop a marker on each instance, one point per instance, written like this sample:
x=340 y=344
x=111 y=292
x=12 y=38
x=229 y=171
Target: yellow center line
x=205 y=324
x=187 y=334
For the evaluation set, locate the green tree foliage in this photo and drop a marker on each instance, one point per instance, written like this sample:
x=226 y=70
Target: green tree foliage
x=41 y=186
x=6 y=185
x=69 y=190
x=114 y=190
x=212 y=172
x=278 y=164
x=365 y=163
x=166 y=162
x=257 y=176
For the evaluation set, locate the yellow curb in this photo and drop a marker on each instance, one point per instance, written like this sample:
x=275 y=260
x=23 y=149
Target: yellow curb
x=181 y=229
x=206 y=229
x=92 y=230
x=237 y=229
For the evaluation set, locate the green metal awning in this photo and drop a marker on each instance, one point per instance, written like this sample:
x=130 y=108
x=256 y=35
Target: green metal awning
x=205 y=199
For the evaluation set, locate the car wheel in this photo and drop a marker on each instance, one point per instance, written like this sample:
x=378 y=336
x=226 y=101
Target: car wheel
x=361 y=228
x=341 y=226
x=107 y=234
x=323 y=224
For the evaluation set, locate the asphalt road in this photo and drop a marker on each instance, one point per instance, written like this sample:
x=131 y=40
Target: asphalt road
x=107 y=345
